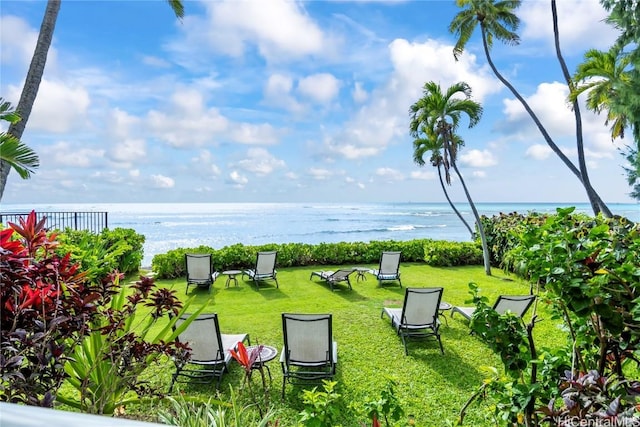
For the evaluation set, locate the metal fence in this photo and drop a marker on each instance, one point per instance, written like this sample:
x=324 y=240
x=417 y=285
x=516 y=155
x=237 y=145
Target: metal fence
x=91 y=221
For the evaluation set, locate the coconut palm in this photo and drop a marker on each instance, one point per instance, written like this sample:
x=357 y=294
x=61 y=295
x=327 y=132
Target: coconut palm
x=430 y=143
x=12 y=151
x=36 y=71
x=603 y=76
x=437 y=115
x=498 y=20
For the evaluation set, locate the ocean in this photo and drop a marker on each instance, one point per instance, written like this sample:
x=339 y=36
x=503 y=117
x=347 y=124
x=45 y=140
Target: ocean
x=175 y=225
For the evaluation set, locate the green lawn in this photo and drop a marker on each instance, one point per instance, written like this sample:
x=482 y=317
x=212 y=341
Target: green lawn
x=431 y=386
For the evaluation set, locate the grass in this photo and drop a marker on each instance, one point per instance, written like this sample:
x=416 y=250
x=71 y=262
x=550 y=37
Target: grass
x=431 y=386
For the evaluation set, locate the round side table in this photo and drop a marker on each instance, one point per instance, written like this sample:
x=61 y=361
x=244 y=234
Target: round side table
x=231 y=276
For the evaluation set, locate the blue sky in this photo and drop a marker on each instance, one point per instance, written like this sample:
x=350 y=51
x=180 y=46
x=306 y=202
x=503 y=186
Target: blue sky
x=268 y=101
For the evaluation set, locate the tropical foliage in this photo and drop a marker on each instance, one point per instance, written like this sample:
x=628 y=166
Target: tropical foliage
x=47 y=306
x=435 y=119
x=587 y=269
x=13 y=151
x=131 y=331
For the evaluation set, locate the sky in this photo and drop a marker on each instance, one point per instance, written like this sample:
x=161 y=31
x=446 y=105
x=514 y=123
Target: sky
x=293 y=101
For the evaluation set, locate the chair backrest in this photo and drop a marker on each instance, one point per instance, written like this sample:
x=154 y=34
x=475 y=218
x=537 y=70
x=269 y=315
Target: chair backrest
x=203 y=336
x=340 y=275
x=421 y=306
x=266 y=262
x=308 y=338
x=517 y=304
x=199 y=267
x=389 y=263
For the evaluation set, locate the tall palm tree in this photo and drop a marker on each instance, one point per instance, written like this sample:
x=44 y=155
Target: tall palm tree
x=498 y=20
x=12 y=151
x=36 y=71
x=426 y=142
x=438 y=116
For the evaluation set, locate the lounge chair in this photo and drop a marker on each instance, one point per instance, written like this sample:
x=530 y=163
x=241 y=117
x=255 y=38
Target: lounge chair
x=309 y=354
x=517 y=304
x=210 y=355
x=200 y=271
x=389 y=269
x=265 y=268
x=334 y=277
x=418 y=317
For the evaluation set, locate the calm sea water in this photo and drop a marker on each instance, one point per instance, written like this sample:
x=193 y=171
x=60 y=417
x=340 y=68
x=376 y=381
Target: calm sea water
x=176 y=225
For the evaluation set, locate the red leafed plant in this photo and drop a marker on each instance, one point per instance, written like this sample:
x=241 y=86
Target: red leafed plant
x=243 y=357
x=46 y=306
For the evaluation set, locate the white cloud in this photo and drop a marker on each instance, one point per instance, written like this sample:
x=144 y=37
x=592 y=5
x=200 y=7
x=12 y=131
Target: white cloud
x=539 y=152
x=127 y=151
x=235 y=26
x=155 y=61
x=320 y=174
x=277 y=92
x=64 y=154
x=247 y=133
x=188 y=123
x=390 y=174
x=359 y=94
x=322 y=88
x=423 y=175
x=260 y=162
x=549 y=102
x=204 y=163
x=478 y=159
x=383 y=119
x=58 y=107
x=237 y=179
x=18 y=42
x=580 y=24
x=161 y=181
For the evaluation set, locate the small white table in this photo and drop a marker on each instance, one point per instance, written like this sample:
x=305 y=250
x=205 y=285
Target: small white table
x=231 y=276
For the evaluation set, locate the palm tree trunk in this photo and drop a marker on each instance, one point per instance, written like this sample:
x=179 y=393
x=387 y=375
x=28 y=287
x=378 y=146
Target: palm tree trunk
x=533 y=116
x=446 y=194
x=483 y=238
x=32 y=82
x=596 y=203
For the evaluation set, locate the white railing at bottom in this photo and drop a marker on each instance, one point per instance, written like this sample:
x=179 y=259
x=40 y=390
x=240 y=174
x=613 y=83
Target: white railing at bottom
x=12 y=415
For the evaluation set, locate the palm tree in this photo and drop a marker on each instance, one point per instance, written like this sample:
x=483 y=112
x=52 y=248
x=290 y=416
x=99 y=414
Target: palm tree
x=36 y=71
x=12 y=151
x=603 y=76
x=431 y=143
x=437 y=115
x=497 y=20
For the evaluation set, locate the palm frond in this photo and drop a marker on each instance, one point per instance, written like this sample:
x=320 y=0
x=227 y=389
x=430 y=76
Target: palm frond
x=20 y=157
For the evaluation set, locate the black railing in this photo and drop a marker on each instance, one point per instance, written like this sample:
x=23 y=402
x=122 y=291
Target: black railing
x=91 y=221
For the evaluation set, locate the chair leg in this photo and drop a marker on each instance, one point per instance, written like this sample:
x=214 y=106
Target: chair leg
x=284 y=383
x=404 y=342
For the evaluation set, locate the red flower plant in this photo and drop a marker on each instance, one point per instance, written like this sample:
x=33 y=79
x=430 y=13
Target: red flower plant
x=243 y=357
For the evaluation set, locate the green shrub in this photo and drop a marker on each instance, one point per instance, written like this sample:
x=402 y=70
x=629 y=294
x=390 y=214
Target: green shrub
x=99 y=254
x=171 y=265
x=442 y=253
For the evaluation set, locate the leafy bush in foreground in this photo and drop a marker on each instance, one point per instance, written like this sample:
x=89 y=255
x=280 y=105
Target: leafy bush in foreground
x=47 y=306
x=99 y=254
